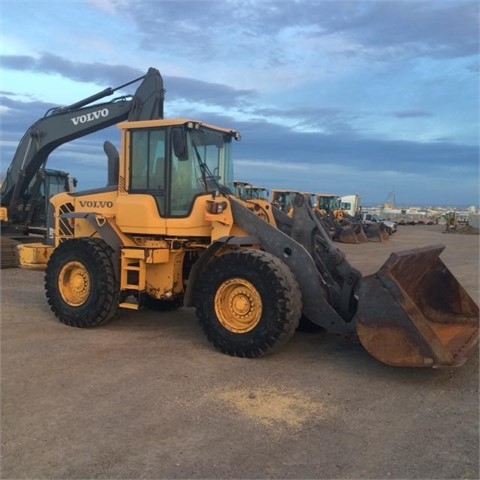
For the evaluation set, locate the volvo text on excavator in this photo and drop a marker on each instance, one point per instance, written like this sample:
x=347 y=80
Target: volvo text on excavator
x=171 y=232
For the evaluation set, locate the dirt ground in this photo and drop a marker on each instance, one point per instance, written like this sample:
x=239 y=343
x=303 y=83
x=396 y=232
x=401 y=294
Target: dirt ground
x=147 y=397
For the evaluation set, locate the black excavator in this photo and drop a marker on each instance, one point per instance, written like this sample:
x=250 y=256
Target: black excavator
x=60 y=125
x=29 y=185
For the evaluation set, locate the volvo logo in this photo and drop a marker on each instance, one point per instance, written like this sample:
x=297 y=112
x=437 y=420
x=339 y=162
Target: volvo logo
x=96 y=204
x=90 y=116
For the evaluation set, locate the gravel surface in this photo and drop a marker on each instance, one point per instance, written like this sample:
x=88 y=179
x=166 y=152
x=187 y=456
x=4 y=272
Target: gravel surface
x=146 y=396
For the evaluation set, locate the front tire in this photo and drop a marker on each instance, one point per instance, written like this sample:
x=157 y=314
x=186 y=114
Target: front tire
x=248 y=303
x=80 y=283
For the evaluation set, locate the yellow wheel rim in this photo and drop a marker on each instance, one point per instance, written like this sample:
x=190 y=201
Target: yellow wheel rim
x=74 y=283
x=238 y=305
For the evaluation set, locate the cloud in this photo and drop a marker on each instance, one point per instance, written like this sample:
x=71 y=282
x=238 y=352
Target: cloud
x=109 y=6
x=412 y=114
x=338 y=95
x=435 y=29
x=438 y=29
x=276 y=156
x=180 y=89
x=51 y=64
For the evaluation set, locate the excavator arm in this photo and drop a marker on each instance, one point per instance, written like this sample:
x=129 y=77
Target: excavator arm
x=64 y=124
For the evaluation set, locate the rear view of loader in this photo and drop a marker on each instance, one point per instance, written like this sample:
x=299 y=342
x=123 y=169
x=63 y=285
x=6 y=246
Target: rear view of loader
x=172 y=232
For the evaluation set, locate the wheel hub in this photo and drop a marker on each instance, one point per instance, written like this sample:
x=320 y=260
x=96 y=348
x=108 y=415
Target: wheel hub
x=238 y=305
x=74 y=283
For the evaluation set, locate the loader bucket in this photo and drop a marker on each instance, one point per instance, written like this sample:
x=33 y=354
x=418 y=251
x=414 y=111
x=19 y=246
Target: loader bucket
x=352 y=233
x=375 y=232
x=414 y=313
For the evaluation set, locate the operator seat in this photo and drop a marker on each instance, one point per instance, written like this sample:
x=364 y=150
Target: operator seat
x=113 y=163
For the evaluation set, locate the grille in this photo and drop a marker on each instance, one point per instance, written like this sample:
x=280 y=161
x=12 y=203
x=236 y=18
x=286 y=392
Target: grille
x=65 y=225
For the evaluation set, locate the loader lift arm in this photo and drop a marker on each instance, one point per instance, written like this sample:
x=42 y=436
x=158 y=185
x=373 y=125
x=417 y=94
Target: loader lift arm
x=64 y=124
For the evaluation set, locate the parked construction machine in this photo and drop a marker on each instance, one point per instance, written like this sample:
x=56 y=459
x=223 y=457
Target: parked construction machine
x=256 y=192
x=247 y=191
x=171 y=232
x=348 y=228
x=241 y=189
x=283 y=200
x=336 y=221
x=27 y=171
x=31 y=218
x=31 y=221
x=28 y=184
x=327 y=209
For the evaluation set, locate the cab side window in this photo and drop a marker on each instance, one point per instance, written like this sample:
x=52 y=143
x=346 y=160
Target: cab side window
x=148 y=164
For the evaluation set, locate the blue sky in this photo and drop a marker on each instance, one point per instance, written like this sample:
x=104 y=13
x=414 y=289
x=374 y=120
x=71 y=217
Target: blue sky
x=366 y=97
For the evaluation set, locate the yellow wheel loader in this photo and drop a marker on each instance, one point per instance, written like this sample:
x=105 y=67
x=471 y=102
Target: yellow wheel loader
x=247 y=191
x=283 y=200
x=327 y=209
x=171 y=232
x=347 y=229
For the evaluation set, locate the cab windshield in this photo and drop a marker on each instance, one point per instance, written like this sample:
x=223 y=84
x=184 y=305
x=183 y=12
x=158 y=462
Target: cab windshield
x=205 y=166
x=176 y=164
x=213 y=165
x=329 y=203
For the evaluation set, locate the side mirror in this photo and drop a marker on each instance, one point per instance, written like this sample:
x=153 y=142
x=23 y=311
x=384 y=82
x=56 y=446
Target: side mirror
x=179 y=142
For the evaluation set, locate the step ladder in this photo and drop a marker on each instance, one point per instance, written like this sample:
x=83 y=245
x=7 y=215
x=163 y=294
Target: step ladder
x=132 y=275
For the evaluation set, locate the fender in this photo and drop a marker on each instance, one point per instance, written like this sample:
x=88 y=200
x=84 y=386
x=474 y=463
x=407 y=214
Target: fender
x=108 y=234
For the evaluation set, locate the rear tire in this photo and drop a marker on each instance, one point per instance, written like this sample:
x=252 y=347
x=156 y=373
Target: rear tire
x=248 y=303
x=80 y=283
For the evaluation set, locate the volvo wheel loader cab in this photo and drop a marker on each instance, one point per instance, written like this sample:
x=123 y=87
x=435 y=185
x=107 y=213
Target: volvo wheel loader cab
x=258 y=193
x=283 y=200
x=256 y=199
x=173 y=233
x=242 y=189
x=247 y=191
x=329 y=203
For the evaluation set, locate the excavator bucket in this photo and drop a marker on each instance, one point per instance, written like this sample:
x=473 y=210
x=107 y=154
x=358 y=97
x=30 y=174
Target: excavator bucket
x=375 y=232
x=414 y=313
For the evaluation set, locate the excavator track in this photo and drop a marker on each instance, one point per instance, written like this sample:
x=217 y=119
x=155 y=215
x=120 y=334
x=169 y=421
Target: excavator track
x=9 y=254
